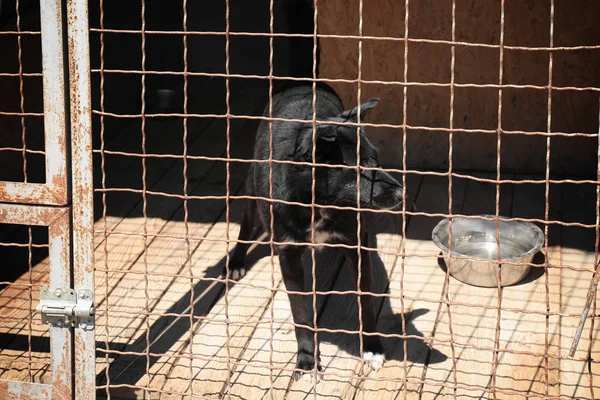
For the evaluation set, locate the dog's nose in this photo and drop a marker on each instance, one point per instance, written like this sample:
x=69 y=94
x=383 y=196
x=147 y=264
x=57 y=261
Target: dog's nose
x=399 y=194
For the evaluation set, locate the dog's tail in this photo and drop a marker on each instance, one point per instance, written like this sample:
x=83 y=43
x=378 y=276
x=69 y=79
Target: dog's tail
x=259 y=239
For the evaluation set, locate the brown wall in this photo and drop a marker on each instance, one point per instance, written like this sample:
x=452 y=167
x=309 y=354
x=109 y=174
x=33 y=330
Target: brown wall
x=527 y=23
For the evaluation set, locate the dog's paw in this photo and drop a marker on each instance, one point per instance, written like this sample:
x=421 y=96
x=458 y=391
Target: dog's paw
x=308 y=376
x=305 y=369
x=236 y=271
x=375 y=360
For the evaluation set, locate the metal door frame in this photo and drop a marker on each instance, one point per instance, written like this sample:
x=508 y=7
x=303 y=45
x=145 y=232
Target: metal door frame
x=68 y=214
x=82 y=183
x=54 y=191
x=58 y=221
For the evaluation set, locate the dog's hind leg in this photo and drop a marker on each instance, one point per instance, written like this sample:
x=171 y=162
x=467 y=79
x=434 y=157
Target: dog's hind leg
x=372 y=347
x=292 y=270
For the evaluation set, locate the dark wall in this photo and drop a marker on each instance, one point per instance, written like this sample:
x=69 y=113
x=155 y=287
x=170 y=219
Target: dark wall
x=8 y=8
x=206 y=52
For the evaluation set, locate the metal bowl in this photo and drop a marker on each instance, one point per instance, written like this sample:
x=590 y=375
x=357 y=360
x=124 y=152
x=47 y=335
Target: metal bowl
x=476 y=239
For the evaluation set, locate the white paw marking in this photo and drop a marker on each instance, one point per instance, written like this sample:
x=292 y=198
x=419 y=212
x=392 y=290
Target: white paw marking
x=308 y=377
x=375 y=361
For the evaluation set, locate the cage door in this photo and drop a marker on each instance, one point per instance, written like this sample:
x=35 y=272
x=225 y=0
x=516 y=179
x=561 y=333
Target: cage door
x=34 y=135
x=40 y=357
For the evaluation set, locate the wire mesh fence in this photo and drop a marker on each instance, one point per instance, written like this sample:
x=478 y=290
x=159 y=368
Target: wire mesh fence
x=33 y=107
x=24 y=249
x=21 y=115
x=486 y=109
x=26 y=348
x=174 y=324
x=28 y=368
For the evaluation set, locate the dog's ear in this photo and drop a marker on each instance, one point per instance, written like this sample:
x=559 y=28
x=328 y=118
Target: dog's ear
x=326 y=133
x=353 y=114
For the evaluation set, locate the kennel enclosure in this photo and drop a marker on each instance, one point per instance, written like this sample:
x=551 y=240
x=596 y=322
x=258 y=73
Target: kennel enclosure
x=486 y=108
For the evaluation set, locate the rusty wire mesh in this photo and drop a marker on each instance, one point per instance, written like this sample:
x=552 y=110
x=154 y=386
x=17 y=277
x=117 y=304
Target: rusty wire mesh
x=164 y=235
x=23 y=248
x=26 y=349
x=21 y=114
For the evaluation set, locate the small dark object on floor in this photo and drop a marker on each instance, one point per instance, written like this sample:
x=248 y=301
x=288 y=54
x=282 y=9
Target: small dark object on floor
x=164 y=101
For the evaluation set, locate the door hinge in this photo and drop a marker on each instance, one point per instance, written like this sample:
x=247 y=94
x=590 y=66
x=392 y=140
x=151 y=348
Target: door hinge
x=66 y=307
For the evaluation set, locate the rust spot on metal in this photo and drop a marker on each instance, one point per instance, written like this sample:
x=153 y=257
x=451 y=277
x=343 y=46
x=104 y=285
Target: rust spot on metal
x=60 y=189
x=58 y=180
x=3 y=390
x=61 y=391
x=15 y=390
x=60 y=388
x=27 y=215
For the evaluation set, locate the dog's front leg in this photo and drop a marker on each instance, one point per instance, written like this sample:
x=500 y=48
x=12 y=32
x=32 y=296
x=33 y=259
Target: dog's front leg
x=248 y=231
x=290 y=259
x=372 y=347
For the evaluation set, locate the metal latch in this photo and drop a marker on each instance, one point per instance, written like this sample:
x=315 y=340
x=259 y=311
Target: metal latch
x=67 y=307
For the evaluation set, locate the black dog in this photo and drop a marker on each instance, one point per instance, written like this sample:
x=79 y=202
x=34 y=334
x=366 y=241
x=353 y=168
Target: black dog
x=335 y=145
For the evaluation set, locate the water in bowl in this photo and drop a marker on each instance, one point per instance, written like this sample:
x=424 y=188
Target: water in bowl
x=485 y=246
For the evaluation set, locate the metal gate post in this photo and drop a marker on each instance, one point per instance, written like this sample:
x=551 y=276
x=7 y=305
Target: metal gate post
x=82 y=187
